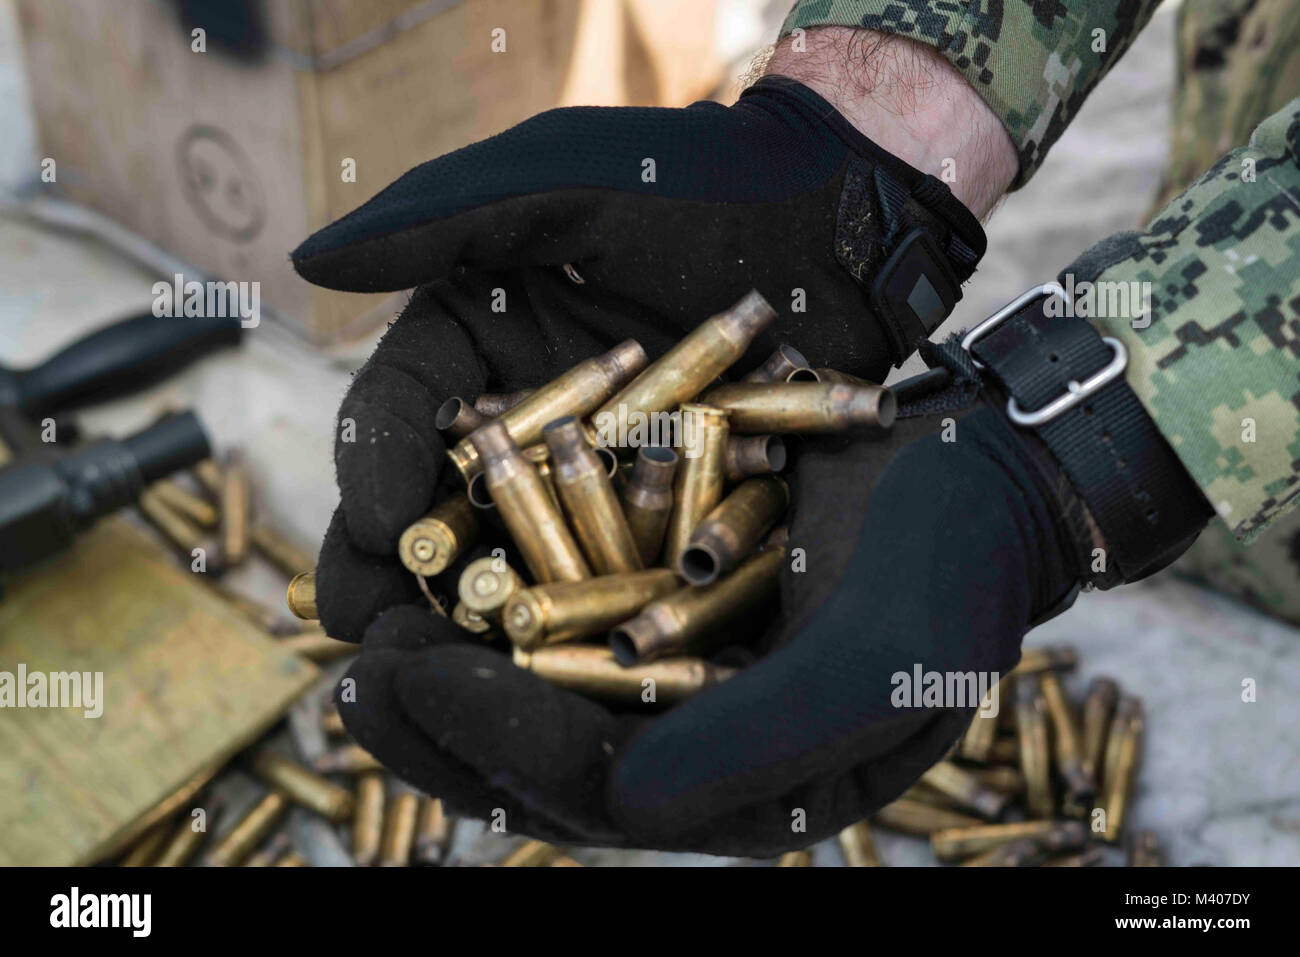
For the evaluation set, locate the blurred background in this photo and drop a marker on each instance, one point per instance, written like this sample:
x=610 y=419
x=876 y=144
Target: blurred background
x=214 y=164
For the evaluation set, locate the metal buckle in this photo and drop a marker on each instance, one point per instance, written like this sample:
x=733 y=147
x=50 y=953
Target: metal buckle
x=1076 y=391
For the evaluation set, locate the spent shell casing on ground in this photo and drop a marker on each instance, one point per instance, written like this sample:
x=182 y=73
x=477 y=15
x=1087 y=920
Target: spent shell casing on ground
x=318 y=646
x=1088 y=857
x=731 y=532
x=181 y=500
x=1123 y=753
x=835 y=375
x=803 y=407
x=749 y=455
x=858 y=846
x=955 y=844
x=347 y=759
x=969 y=791
x=179 y=530
x=1144 y=851
x=531 y=854
x=576 y=392
x=540 y=456
x=1025 y=852
x=292 y=859
x=1098 y=707
x=1044 y=657
x=924 y=794
x=248 y=832
x=186 y=838
x=236 y=509
x=300 y=596
x=564 y=860
x=701 y=476
x=145 y=851
x=565 y=611
x=795 y=859
x=331 y=722
x=368 y=823
x=399 y=830
x=432 y=831
x=535 y=524
x=595 y=672
x=1080 y=789
x=270 y=852
x=1035 y=749
x=778 y=365
x=278 y=549
x=693 y=620
x=648 y=500
x=486 y=585
x=208 y=472
x=459 y=418
x=913 y=817
x=977 y=742
x=302 y=786
x=433 y=542
x=684 y=370
x=492 y=404
x=1006 y=748
x=470 y=620
x=1005 y=779
x=589 y=500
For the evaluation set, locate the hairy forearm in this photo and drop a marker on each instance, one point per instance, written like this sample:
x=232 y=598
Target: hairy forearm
x=910 y=100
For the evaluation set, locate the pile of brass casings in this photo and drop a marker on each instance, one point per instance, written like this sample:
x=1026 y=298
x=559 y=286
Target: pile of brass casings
x=639 y=554
x=1042 y=783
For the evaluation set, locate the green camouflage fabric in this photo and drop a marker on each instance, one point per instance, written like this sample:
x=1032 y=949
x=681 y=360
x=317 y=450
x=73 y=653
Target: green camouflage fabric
x=1033 y=61
x=1238 y=62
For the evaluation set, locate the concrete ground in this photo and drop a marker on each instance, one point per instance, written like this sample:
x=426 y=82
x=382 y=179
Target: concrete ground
x=1220 y=782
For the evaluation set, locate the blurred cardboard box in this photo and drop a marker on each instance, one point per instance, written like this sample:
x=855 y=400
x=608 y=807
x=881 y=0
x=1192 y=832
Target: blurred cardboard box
x=230 y=156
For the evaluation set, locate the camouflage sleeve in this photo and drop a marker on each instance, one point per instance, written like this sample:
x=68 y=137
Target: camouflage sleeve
x=1033 y=61
x=1207 y=301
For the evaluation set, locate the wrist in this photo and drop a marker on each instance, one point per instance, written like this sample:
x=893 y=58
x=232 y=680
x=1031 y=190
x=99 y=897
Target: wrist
x=905 y=97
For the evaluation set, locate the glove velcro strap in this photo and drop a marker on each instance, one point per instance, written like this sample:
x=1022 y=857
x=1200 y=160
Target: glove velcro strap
x=1066 y=383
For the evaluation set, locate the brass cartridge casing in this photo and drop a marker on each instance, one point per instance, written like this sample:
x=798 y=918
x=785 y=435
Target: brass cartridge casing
x=589 y=500
x=184 y=502
x=977 y=742
x=471 y=621
x=493 y=404
x=700 y=477
x=1035 y=751
x=954 y=844
x=292 y=859
x=576 y=393
x=486 y=585
x=687 y=368
x=648 y=500
x=459 y=418
x=531 y=854
x=804 y=407
x=968 y=790
x=331 y=722
x=432 y=831
x=270 y=852
x=841 y=378
x=1122 y=754
x=1088 y=857
x=1144 y=851
x=733 y=529
x=858 y=846
x=913 y=817
x=184 y=841
x=232 y=849
x=924 y=794
x=279 y=550
x=1004 y=779
x=399 y=830
x=1097 y=710
x=594 y=672
x=368 y=824
x=795 y=859
x=778 y=365
x=179 y=530
x=748 y=455
x=301 y=596
x=535 y=524
x=564 y=611
x=347 y=759
x=1061 y=657
x=302 y=786
x=432 y=543
x=144 y=851
x=236 y=509
x=1080 y=789
x=692 y=620
x=564 y=860
x=1025 y=852
x=1005 y=750
x=540 y=456
x=208 y=472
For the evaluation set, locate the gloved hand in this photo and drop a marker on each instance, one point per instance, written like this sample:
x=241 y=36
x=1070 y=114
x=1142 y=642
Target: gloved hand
x=935 y=554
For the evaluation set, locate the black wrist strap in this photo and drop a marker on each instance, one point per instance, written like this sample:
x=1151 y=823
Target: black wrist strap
x=1066 y=382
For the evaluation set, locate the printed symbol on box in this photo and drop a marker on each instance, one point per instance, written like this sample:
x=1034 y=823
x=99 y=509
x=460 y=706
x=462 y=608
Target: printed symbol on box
x=220 y=183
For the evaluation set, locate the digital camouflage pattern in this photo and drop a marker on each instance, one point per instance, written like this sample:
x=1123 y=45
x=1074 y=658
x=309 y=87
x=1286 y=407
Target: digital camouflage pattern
x=1238 y=62
x=1033 y=61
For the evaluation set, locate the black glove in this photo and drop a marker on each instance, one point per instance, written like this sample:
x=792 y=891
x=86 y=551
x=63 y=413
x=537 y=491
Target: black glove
x=934 y=553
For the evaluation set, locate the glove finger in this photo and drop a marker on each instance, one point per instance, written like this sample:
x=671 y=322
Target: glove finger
x=547 y=747
x=353 y=586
